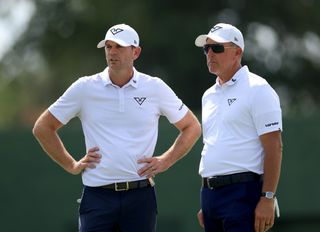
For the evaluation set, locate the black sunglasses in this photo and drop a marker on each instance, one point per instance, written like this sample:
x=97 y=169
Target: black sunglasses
x=216 y=48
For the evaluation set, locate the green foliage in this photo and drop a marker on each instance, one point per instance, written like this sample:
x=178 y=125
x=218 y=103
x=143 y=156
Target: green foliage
x=282 y=45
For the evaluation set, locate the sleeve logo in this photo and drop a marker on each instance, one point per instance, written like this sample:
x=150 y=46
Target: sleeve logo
x=272 y=124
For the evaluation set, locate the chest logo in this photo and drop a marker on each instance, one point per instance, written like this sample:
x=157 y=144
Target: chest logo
x=140 y=100
x=231 y=100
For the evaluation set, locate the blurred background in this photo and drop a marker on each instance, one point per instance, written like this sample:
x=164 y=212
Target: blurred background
x=45 y=45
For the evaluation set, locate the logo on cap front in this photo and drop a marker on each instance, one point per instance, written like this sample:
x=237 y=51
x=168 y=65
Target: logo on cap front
x=215 y=28
x=115 y=31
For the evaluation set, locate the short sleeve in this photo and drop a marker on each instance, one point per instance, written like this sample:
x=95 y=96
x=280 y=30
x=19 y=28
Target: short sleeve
x=170 y=105
x=266 y=110
x=69 y=104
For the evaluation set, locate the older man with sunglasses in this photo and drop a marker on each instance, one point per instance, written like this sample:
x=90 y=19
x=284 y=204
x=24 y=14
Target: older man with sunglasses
x=242 y=123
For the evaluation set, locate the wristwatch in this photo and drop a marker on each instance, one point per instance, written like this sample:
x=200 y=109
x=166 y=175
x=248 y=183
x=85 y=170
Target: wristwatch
x=269 y=195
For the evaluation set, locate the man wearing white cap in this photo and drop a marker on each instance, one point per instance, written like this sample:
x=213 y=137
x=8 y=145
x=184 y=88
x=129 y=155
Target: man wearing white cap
x=242 y=124
x=119 y=109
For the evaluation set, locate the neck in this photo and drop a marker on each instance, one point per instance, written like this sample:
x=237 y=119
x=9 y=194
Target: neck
x=120 y=77
x=227 y=76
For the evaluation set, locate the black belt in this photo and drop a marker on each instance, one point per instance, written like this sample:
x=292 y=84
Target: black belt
x=221 y=181
x=125 y=186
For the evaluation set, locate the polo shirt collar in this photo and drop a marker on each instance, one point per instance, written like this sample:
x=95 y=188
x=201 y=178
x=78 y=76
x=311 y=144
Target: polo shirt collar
x=135 y=79
x=106 y=78
x=236 y=77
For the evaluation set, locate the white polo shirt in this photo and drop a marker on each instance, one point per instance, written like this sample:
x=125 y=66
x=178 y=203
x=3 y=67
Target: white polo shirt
x=234 y=115
x=122 y=122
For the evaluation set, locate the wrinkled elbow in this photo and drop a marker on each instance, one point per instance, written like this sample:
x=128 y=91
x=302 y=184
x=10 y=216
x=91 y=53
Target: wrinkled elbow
x=36 y=129
x=198 y=130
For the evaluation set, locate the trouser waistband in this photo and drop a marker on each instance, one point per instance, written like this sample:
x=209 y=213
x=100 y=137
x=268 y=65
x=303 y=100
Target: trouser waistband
x=125 y=186
x=214 y=182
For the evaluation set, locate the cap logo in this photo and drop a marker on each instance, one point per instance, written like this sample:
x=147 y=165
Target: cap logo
x=115 y=30
x=215 y=28
x=235 y=39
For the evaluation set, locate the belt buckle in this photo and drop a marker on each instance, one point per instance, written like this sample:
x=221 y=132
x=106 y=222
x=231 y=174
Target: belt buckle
x=208 y=181
x=117 y=188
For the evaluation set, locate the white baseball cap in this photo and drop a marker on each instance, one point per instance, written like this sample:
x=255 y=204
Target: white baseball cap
x=222 y=33
x=121 y=34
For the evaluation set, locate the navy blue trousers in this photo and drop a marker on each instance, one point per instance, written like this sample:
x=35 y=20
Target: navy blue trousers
x=103 y=210
x=230 y=208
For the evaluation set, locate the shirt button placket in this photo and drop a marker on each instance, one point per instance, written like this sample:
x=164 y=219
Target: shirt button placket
x=220 y=103
x=121 y=99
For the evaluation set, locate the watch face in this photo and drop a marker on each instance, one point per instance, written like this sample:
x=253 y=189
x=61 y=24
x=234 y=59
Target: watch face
x=268 y=195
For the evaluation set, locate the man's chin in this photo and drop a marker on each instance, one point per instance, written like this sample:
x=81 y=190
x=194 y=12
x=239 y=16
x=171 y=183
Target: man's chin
x=213 y=71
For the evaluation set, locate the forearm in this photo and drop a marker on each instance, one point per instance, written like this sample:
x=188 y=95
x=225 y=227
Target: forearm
x=272 y=161
x=53 y=146
x=182 y=145
x=190 y=131
x=272 y=168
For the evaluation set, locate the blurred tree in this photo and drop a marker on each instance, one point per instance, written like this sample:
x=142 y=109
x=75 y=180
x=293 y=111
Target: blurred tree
x=59 y=45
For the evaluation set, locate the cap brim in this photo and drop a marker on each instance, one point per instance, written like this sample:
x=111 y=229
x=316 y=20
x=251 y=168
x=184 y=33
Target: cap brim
x=201 y=40
x=102 y=43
